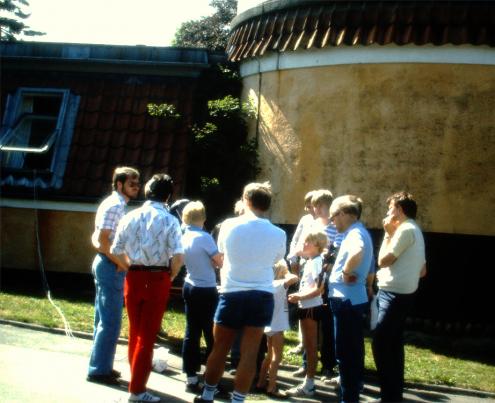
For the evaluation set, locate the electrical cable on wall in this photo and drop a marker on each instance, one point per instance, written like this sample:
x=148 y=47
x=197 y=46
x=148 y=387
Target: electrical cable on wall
x=67 y=328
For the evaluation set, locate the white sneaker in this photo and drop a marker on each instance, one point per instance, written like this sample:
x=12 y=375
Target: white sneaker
x=335 y=382
x=143 y=397
x=301 y=391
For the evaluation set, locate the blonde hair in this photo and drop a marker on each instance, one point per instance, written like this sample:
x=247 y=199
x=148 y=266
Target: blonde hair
x=322 y=196
x=239 y=207
x=309 y=197
x=317 y=238
x=280 y=269
x=193 y=212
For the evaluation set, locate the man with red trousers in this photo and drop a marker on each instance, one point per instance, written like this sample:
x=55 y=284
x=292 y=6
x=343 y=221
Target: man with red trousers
x=148 y=243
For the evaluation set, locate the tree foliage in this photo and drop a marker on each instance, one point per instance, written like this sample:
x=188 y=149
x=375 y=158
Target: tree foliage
x=11 y=20
x=222 y=157
x=208 y=32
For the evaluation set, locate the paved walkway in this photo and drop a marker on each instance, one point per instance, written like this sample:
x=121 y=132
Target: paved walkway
x=43 y=367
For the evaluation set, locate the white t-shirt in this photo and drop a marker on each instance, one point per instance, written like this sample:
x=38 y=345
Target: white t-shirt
x=251 y=246
x=408 y=246
x=280 y=318
x=311 y=271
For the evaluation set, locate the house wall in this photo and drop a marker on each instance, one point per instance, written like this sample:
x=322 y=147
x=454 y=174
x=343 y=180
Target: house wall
x=64 y=239
x=373 y=129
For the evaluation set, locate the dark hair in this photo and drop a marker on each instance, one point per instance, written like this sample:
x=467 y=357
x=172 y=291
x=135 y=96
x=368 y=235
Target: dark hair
x=159 y=188
x=121 y=174
x=259 y=194
x=406 y=202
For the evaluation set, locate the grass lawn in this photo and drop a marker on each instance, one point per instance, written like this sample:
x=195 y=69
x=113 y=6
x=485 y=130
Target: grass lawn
x=435 y=364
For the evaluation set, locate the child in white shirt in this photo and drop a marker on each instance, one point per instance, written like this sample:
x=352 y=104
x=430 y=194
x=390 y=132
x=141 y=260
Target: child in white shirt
x=309 y=303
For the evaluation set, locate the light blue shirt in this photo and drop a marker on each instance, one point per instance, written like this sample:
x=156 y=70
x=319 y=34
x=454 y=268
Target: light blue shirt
x=199 y=248
x=355 y=236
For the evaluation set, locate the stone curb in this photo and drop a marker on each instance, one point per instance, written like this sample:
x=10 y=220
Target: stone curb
x=409 y=385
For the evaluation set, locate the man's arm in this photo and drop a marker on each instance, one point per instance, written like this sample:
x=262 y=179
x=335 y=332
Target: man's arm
x=354 y=259
x=386 y=258
x=103 y=246
x=176 y=263
x=217 y=260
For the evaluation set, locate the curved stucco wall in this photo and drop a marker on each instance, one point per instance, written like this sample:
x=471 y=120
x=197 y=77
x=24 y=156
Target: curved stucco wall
x=373 y=129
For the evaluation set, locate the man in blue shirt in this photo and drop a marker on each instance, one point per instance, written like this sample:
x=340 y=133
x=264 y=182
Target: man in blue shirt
x=347 y=293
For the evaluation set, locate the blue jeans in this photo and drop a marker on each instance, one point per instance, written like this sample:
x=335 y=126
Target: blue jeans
x=200 y=304
x=109 y=302
x=388 y=343
x=349 y=346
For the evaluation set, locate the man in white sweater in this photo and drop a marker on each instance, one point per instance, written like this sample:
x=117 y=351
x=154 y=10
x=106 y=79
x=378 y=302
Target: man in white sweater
x=402 y=262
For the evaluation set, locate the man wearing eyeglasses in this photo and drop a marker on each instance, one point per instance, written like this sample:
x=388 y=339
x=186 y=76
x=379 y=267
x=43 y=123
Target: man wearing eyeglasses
x=347 y=293
x=109 y=277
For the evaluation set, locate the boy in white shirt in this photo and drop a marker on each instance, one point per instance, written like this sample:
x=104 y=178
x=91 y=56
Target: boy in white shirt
x=309 y=302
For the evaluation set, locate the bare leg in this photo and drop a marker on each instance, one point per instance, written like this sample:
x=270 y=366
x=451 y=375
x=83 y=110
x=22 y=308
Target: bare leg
x=223 y=339
x=276 y=350
x=250 y=343
x=309 y=329
x=265 y=364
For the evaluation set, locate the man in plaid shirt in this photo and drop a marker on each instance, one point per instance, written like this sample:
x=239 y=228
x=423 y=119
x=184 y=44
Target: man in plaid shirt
x=109 y=277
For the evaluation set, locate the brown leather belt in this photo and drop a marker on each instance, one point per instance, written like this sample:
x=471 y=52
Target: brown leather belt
x=141 y=267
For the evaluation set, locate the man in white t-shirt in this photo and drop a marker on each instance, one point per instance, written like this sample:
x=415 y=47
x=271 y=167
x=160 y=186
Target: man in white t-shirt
x=402 y=263
x=250 y=245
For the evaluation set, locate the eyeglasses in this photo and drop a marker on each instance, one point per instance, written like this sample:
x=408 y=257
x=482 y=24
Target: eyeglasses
x=335 y=215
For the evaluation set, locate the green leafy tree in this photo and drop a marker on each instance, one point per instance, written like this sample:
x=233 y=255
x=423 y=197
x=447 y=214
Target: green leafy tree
x=223 y=158
x=11 y=20
x=208 y=32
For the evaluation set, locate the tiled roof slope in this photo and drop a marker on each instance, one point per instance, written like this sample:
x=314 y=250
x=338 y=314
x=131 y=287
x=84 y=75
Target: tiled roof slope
x=301 y=24
x=113 y=126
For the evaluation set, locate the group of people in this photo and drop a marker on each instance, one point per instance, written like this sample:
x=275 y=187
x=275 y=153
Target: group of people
x=330 y=256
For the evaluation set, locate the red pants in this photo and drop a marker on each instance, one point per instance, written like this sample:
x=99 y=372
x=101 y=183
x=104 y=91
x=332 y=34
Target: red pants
x=146 y=296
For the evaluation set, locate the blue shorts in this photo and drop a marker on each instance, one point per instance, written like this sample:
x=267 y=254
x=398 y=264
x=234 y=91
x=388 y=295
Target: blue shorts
x=244 y=308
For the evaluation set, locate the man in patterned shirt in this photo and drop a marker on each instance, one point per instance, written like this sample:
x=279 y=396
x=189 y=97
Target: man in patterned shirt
x=109 y=277
x=148 y=243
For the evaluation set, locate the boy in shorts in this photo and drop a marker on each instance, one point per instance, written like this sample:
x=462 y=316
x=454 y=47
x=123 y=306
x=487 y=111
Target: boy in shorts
x=309 y=303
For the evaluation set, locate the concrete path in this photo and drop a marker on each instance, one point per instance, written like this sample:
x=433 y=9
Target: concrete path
x=40 y=366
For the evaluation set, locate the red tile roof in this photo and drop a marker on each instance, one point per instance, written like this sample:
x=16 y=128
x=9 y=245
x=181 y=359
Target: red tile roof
x=113 y=126
x=301 y=24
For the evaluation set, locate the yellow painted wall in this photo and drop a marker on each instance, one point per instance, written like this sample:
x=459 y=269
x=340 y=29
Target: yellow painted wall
x=64 y=236
x=374 y=129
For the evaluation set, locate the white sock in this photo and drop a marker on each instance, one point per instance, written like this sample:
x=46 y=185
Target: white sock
x=192 y=380
x=309 y=383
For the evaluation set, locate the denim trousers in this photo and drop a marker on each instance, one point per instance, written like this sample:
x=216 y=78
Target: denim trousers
x=349 y=346
x=200 y=304
x=388 y=343
x=109 y=302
